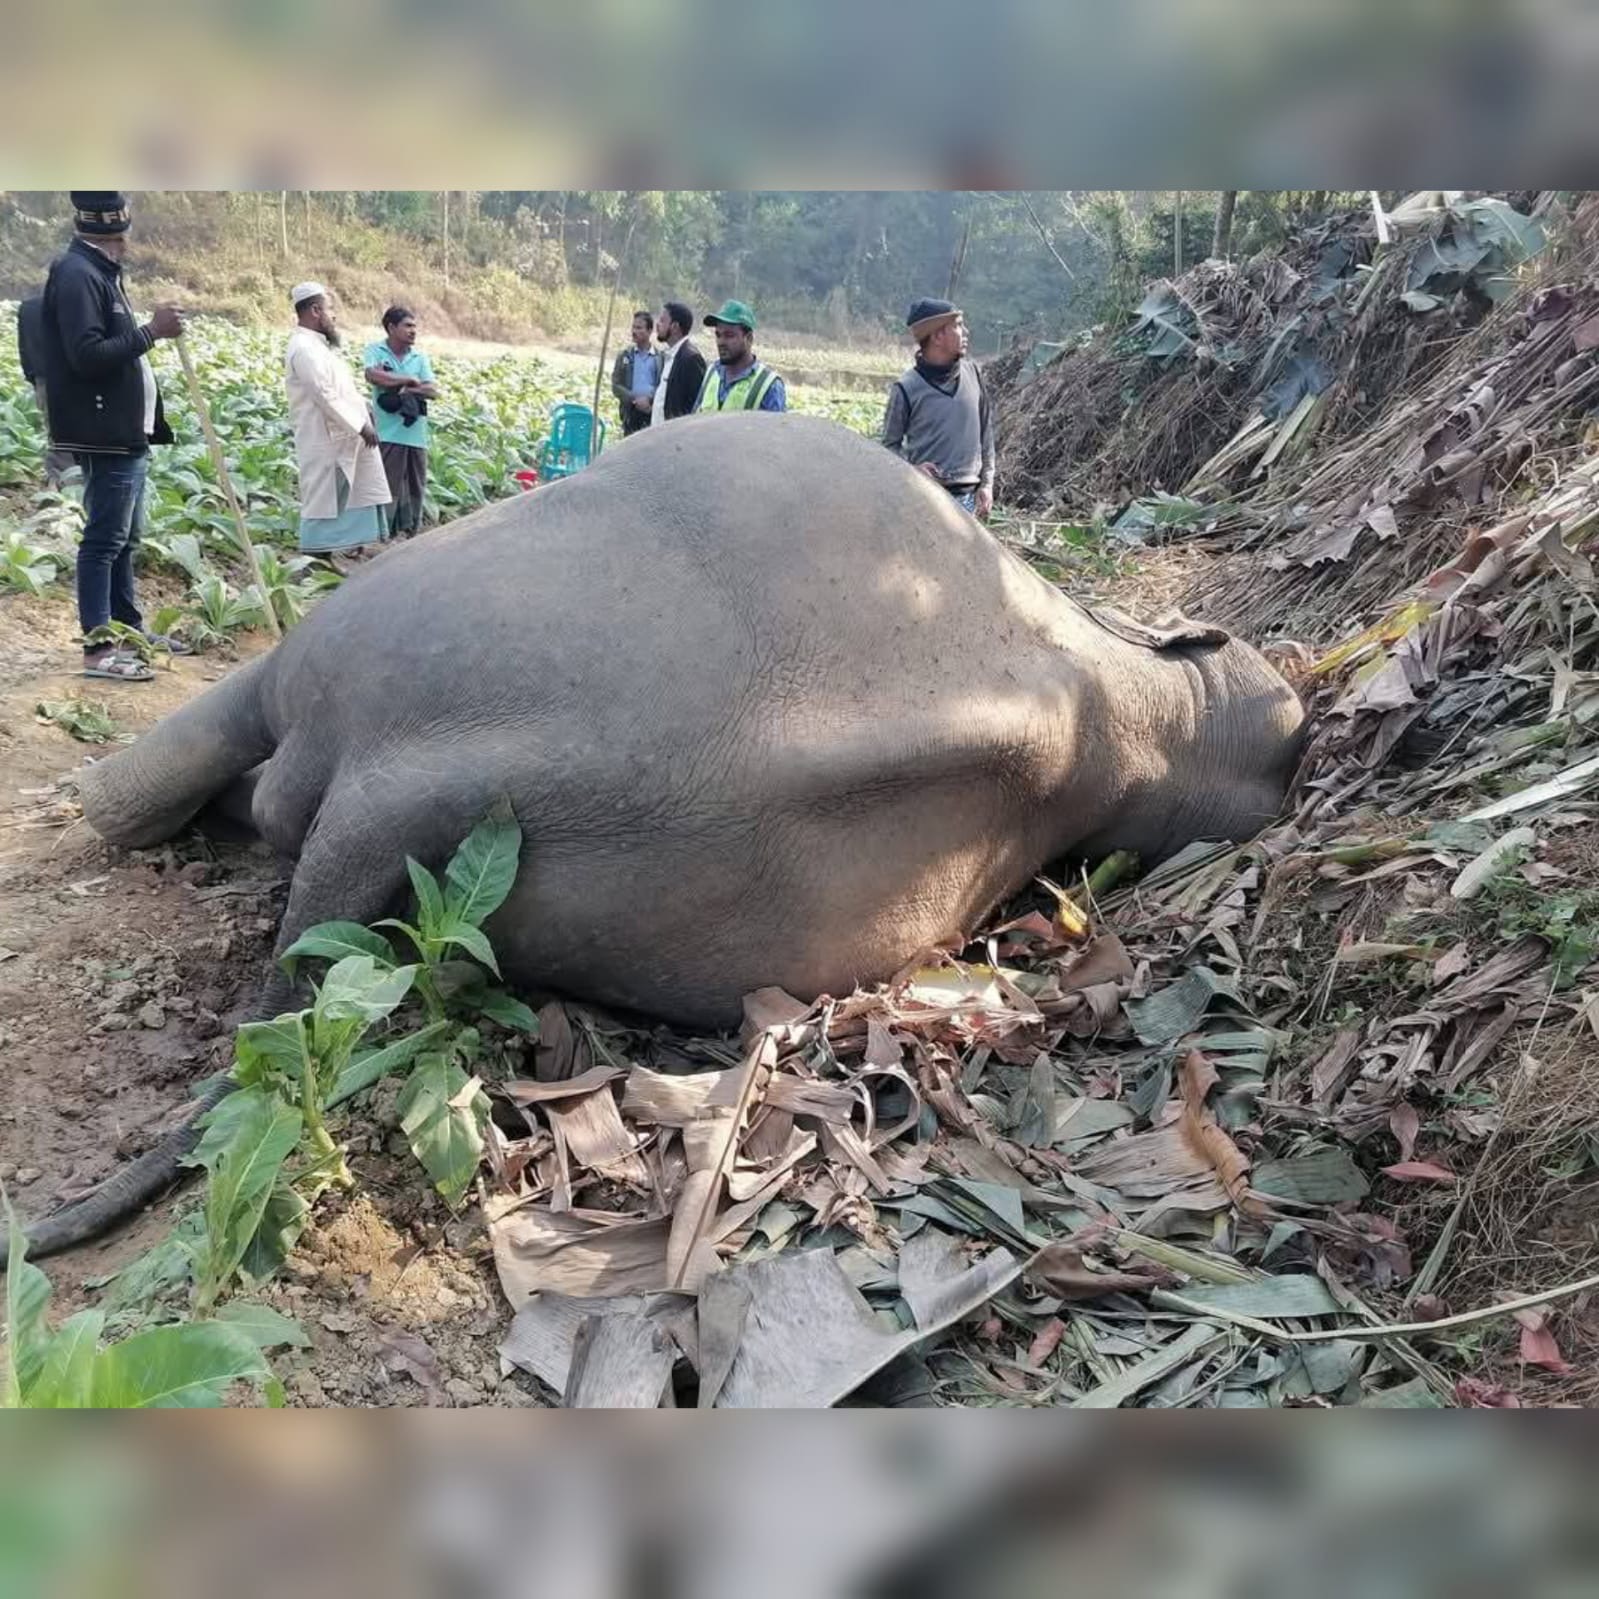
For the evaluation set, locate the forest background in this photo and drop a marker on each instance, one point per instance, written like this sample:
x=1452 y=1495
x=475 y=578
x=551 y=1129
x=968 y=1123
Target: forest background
x=521 y=266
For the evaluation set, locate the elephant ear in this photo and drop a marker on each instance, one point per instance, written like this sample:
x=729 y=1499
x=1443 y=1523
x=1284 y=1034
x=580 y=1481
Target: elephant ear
x=1169 y=631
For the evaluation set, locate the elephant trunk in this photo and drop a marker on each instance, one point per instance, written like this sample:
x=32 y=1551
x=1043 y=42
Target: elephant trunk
x=142 y=795
x=137 y=1183
x=124 y=1192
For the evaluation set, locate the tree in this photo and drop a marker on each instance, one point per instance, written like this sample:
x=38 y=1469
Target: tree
x=1224 y=223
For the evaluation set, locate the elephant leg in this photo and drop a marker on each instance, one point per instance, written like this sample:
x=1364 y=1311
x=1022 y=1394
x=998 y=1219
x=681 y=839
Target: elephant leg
x=351 y=869
x=230 y=817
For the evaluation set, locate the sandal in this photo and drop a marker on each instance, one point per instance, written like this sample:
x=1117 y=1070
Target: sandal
x=118 y=666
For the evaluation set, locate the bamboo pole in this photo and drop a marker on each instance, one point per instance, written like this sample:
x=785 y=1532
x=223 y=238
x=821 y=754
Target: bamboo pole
x=214 y=444
x=610 y=311
x=446 y=203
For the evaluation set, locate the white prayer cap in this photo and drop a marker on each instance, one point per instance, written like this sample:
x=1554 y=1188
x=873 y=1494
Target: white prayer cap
x=302 y=292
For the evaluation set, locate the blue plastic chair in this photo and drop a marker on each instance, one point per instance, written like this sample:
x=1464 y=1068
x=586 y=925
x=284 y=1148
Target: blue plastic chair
x=572 y=441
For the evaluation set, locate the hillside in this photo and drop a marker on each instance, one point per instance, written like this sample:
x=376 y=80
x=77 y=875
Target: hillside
x=235 y=256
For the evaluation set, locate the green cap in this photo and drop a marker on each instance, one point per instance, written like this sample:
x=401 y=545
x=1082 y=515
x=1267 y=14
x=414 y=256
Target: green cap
x=734 y=311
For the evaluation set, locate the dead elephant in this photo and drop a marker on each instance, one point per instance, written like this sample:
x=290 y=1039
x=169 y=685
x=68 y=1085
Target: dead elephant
x=769 y=707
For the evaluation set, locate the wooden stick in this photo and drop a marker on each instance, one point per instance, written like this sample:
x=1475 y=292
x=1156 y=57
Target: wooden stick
x=214 y=444
x=1366 y=1335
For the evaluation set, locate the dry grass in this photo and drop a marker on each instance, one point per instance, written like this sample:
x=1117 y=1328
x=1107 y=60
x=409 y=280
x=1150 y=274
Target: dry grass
x=1530 y=1218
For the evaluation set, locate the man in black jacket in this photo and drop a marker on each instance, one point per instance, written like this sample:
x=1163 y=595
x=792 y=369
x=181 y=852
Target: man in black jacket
x=30 y=353
x=682 y=366
x=105 y=408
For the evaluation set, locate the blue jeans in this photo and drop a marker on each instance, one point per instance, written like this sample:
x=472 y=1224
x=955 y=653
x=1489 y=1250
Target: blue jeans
x=113 y=505
x=966 y=501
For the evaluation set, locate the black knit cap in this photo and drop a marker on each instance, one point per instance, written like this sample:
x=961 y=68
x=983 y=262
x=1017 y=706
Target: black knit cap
x=102 y=211
x=928 y=311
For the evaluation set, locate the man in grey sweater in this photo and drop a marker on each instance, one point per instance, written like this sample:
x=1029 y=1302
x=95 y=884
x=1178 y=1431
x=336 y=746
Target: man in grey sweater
x=938 y=413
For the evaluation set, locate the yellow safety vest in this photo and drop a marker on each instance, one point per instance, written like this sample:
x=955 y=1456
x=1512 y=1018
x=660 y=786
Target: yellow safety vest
x=754 y=384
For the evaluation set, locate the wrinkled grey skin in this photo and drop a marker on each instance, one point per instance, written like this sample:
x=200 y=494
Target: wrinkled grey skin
x=771 y=710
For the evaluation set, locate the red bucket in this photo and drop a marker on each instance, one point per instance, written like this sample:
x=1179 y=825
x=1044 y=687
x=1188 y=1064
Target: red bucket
x=527 y=479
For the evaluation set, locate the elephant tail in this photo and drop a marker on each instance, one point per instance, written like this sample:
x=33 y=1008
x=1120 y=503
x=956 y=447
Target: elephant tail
x=130 y=1187
x=144 y=794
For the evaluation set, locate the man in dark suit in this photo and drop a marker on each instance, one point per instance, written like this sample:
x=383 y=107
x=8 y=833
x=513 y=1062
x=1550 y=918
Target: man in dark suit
x=682 y=366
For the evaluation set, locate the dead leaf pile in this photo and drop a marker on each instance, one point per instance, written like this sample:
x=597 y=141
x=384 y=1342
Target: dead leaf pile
x=1218 y=377
x=1038 y=1145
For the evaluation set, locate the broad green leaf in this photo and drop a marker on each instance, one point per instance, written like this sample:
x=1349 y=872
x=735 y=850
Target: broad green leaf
x=333 y=1038
x=374 y=1064
x=27 y=1330
x=282 y=1222
x=460 y=980
x=357 y=989
x=1323 y=1368
x=169 y=1368
x=263 y=1051
x=1322 y=1177
x=1412 y=1395
x=446 y=1137
x=242 y=1178
x=221 y=1125
x=66 y=1378
x=1298 y=1295
x=334 y=941
x=267 y=1328
x=1087 y=1118
x=500 y=1007
x=414 y=934
x=484 y=868
x=472 y=940
x=429 y=900
x=1171 y=1011
x=155 y=1275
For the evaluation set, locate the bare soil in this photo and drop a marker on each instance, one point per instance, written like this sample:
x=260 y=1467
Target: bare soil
x=122 y=976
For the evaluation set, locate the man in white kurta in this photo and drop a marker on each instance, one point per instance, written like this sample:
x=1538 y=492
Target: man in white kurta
x=342 y=483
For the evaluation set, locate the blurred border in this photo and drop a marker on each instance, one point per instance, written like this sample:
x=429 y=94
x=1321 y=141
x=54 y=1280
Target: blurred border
x=796 y=1507
x=832 y=93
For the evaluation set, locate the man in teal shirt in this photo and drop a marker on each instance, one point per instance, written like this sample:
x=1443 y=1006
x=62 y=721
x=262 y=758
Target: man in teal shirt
x=402 y=383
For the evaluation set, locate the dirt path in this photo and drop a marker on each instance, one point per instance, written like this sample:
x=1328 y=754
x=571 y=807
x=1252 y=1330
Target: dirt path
x=122 y=976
